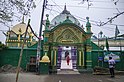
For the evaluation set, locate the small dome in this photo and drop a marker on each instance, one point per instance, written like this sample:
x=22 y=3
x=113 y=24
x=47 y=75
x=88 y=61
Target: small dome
x=45 y=58
x=20 y=28
x=63 y=16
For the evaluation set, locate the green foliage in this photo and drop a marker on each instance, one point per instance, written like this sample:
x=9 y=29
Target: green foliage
x=14 y=9
x=2 y=46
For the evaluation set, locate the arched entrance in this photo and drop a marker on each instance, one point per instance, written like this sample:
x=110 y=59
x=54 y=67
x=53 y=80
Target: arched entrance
x=71 y=38
x=63 y=51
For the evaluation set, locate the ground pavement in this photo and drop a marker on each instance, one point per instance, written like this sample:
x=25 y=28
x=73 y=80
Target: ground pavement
x=86 y=77
x=66 y=74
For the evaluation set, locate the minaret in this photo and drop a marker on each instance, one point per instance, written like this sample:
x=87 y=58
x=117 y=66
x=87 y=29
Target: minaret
x=88 y=26
x=46 y=31
x=47 y=22
x=88 y=45
x=23 y=19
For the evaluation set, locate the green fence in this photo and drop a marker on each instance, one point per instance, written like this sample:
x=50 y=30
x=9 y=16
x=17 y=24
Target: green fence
x=11 y=56
x=100 y=54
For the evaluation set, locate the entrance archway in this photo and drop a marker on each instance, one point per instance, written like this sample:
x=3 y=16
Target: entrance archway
x=61 y=61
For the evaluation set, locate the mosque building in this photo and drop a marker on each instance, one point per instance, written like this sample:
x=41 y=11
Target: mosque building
x=63 y=36
x=15 y=35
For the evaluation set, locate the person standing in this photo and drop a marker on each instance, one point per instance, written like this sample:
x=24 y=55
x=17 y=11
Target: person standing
x=111 y=63
x=68 y=59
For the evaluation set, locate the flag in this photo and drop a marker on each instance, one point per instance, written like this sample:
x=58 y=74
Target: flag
x=107 y=45
x=116 y=31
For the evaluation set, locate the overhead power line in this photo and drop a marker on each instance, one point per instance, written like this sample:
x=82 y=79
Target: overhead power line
x=86 y=7
x=94 y=23
x=110 y=20
x=106 y=1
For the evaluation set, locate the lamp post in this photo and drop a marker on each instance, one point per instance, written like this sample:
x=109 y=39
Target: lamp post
x=39 y=39
x=98 y=48
x=99 y=58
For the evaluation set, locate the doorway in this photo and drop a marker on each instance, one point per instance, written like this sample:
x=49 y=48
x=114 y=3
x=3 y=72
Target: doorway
x=63 y=51
x=66 y=53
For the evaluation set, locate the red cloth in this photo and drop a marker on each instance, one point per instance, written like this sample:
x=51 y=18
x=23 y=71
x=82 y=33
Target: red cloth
x=68 y=60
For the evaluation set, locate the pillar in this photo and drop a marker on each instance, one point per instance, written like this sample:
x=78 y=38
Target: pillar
x=88 y=57
x=55 y=57
x=19 y=40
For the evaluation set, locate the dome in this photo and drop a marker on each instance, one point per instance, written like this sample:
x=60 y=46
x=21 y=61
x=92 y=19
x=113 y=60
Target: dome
x=45 y=58
x=20 y=28
x=63 y=16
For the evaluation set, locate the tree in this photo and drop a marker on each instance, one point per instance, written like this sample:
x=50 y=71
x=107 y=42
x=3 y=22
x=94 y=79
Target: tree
x=11 y=9
x=2 y=46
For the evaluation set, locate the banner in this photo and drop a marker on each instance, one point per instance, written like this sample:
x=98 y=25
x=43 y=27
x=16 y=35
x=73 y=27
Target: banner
x=114 y=56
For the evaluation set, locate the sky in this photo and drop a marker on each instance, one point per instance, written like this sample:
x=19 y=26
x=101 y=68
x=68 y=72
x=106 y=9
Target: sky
x=100 y=10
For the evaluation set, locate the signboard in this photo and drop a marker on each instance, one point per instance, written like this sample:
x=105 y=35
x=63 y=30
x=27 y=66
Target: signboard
x=114 y=56
x=100 y=58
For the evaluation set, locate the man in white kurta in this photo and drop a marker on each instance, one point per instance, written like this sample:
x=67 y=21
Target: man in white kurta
x=111 y=63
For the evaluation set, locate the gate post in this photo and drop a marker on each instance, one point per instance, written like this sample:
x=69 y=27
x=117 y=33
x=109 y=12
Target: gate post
x=44 y=65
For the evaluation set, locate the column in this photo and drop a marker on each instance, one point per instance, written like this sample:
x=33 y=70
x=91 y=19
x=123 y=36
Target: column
x=83 y=58
x=19 y=40
x=79 y=58
x=59 y=57
x=54 y=57
x=88 y=57
x=74 y=58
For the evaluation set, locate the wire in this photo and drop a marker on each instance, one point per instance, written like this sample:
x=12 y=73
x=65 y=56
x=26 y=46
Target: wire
x=3 y=30
x=36 y=6
x=101 y=1
x=33 y=31
x=56 y=4
x=115 y=24
x=50 y=12
x=86 y=7
x=53 y=10
x=111 y=19
x=92 y=21
x=95 y=23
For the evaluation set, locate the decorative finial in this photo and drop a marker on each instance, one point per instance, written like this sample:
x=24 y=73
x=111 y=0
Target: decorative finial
x=47 y=15
x=20 y=30
x=65 y=7
x=47 y=22
x=65 y=10
x=23 y=19
x=67 y=17
x=87 y=19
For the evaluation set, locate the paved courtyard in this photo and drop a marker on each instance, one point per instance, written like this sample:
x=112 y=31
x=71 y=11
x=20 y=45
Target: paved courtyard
x=32 y=77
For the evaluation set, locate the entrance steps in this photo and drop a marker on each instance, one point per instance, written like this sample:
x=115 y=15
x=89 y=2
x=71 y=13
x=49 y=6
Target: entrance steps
x=67 y=71
x=65 y=66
